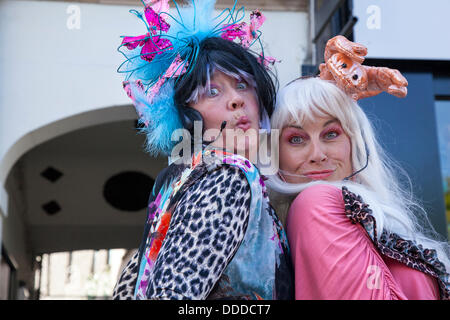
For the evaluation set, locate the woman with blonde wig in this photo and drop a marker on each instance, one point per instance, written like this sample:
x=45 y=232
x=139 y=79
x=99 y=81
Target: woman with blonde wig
x=355 y=231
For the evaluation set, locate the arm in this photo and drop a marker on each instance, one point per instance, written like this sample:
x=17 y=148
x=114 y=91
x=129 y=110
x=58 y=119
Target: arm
x=333 y=258
x=205 y=231
x=125 y=286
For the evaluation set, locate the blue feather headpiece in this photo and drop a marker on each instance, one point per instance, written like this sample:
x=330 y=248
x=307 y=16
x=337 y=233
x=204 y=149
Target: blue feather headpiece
x=154 y=60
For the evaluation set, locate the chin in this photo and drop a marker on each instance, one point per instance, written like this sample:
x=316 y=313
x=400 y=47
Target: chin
x=246 y=144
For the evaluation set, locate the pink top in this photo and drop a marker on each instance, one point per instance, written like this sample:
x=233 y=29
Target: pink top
x=335 y=259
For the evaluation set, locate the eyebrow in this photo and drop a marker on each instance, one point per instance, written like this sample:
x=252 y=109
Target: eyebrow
x=324 y=125
x=330 y=121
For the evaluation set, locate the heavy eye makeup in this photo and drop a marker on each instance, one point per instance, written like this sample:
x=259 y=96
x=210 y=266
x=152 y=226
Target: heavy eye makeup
x=332 y=132
x=294 y=136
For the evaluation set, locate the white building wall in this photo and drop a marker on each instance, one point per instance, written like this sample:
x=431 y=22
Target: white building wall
x=51 y=72
x=421 y=29
x=53 y=68
x=58 y=63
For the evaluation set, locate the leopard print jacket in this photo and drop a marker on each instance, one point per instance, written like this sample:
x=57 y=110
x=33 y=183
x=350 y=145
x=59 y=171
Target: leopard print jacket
x=205 y=232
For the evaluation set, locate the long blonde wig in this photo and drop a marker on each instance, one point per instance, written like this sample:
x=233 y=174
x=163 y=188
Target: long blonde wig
x=383 y=184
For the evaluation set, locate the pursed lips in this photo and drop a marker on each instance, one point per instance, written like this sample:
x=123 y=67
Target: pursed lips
x=243 y=123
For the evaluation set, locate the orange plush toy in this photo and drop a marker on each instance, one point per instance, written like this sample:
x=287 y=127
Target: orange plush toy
x=343 y=65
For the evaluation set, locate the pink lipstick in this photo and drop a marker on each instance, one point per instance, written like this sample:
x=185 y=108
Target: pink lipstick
x=318 y=175
x=243 y=123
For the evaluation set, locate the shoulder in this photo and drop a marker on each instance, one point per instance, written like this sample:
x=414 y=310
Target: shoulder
x=226 y=185
x=320 y=204
x=211 y=178
x=223 y=158
x=168 y=174
x=318 y=195
x=227 y=170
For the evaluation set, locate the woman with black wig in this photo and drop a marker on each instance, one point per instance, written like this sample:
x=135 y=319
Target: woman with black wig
x=211 y=232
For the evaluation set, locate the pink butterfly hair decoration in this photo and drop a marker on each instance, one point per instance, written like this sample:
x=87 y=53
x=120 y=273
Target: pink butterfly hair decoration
x=248 y=34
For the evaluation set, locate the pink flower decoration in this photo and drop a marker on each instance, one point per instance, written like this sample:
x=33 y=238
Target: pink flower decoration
x=138 y=106
x=176 y=68
x=158 y=5
x=132 y=42
x=256 y=21
x=153 y=46
x=155 y=21
x=150 y=45
x=233 y=31
x=267 y=61
x=127 y=88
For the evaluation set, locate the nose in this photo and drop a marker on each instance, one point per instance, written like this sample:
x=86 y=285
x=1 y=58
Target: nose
x=317 y=153
x=236 y=101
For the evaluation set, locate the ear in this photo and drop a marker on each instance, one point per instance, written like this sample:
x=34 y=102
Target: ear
x=188 y=115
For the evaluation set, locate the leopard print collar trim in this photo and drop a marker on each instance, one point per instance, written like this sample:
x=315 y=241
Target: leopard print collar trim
x=390 y=244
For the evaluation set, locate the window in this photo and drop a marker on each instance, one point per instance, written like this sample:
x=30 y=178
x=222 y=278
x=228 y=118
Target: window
x=442 y=108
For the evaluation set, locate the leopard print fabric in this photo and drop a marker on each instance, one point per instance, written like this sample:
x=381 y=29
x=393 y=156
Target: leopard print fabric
x=390 y=244
x=124 y=289
x=205 y=231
